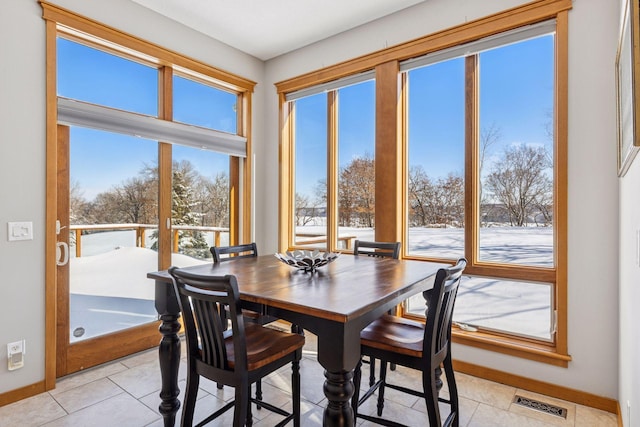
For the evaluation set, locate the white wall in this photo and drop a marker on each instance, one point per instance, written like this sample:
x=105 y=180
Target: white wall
x=22 y=192
x=593 y=199
x=629 y=317
x=22 y=149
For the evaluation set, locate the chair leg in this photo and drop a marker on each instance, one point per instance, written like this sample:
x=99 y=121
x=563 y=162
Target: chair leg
x=249 y=414
x=190 y=396
x=429 y=384
x=383 y=381
x=453 y=390
x=295 y=390
x=372 y=372
x=259 y=393
x=357 y=377
x=241 y=405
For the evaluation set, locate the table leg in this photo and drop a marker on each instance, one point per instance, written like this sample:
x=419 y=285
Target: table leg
x=169 y=355
x=338 y=388
x=168 y=351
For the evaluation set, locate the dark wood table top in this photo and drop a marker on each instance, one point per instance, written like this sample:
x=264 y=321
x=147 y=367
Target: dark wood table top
x=344 y=290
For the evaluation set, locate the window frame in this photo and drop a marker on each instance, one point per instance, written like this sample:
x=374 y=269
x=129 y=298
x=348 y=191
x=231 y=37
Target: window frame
x=391 y=131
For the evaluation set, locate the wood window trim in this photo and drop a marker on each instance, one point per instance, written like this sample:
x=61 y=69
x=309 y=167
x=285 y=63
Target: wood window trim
x=61 y=16
x=537 y=11
x=529 y=13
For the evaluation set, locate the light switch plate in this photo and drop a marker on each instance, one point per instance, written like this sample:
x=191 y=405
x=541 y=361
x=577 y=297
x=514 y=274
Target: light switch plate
x=20 y=231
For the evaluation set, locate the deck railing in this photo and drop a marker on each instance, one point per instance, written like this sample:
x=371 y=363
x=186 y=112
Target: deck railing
x=140 y=230
x=315 y=238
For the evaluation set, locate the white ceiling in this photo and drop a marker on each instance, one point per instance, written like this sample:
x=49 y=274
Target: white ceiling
x=268 y=28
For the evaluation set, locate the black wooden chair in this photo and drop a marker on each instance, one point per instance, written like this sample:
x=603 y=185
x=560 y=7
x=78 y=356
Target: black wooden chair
x=234 y=252
x=424 y=347
x=378 y=250
x=237 y=356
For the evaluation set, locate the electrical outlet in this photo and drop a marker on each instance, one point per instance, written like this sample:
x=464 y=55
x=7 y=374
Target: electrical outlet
x=15 y=355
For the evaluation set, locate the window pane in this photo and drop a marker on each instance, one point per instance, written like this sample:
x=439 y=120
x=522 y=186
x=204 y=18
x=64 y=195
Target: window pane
x=200 y=204
x=310 y=206
x=113 y=230
x=94 y=76
x=436 y=160
x=356 y=174
x=521 y=308
x=198 y=104
x=516 y=153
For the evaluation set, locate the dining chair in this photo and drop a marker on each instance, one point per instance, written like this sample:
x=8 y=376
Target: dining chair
x=378 y=250
x=234 y=252
x=421 y=346
x=237 y=356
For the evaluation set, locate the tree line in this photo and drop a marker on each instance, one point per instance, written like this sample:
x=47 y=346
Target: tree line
x=196 y=201
x=517 y=190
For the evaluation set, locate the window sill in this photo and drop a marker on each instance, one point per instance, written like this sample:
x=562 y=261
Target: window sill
x=511 y=346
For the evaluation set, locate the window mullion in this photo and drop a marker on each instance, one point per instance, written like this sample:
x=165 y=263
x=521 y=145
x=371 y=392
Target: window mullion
x=472 y=167
x=165 y=111
x=332 y=170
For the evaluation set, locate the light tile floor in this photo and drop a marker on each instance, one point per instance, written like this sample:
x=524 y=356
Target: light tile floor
x=125 y=393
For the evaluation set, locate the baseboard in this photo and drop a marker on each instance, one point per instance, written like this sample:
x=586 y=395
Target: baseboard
x=541 y=387
x=619 y=416
x=22 y=393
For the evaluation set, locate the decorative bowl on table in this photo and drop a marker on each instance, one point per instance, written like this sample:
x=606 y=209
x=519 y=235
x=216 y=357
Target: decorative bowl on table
x=308 y=261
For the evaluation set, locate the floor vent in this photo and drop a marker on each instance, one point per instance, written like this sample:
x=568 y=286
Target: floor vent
x=540 y=406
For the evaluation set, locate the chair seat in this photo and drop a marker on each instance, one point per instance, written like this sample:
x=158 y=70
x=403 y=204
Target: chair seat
x=264 y=345
x=394 y=334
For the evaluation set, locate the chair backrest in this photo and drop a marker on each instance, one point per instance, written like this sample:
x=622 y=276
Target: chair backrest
x=204 y=301
x=440 y=303
x=377 y=249
x=234 y=252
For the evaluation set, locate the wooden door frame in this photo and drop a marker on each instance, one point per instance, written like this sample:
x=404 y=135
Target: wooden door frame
x=93 y=351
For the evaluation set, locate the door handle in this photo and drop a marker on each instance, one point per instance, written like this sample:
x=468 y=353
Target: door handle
x=62 y=251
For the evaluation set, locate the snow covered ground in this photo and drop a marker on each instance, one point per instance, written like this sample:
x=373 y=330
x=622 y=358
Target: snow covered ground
x=110 y=290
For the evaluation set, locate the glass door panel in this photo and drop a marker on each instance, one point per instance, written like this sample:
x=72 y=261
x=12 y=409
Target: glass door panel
x=200 y=204
x=112 y=221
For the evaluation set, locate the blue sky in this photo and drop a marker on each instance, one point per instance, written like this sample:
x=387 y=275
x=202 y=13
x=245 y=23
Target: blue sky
x=516 y=96
x=101 y=160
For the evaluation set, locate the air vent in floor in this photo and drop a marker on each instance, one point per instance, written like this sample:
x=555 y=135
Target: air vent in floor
x=547 y=408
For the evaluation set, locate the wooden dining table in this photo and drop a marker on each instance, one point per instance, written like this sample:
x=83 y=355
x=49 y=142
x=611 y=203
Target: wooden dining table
x=335 y=303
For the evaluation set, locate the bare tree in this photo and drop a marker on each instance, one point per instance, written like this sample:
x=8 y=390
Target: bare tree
x=356 y=192
x=213 y=197
x=449 y=200
x=305 y=211
x=489 y=136
x=79 y=207
x=420 y=196
x=519 y=180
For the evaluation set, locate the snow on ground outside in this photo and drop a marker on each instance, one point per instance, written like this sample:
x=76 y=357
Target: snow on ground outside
x=117 y=271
